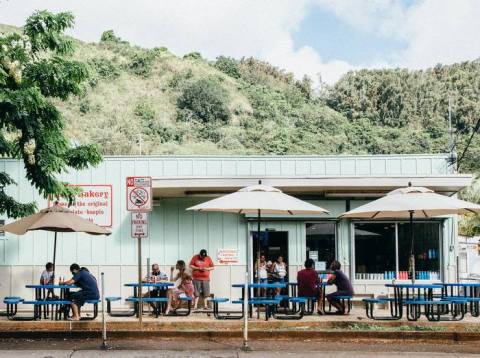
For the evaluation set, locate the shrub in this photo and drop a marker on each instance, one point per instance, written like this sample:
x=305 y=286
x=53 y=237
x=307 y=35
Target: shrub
x=142 y=63
x=179 y=77
x=109 y=36
x=84 y=106
x=193 y=56
x=105 y=68
x=144 y=111
x=228 y=66
x=205 y=100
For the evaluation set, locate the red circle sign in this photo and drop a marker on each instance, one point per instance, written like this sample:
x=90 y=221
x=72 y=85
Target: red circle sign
x=138 y=197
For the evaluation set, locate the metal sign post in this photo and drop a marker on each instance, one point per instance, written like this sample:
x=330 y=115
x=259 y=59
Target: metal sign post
x=139 y=291
x=139 y=201
x=104 y=322
x=139 y=230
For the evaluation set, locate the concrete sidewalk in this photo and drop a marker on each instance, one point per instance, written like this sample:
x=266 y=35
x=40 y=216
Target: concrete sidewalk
x=220 y=354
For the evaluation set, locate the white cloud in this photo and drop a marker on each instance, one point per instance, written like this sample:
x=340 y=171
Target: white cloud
x=441 y=31
x=433 y=30
x=215 y=27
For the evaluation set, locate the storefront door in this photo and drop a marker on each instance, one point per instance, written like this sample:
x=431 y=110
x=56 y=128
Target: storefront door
x=272 y=244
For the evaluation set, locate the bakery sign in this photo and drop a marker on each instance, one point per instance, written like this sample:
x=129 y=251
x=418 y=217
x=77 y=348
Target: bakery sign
x=94 y=203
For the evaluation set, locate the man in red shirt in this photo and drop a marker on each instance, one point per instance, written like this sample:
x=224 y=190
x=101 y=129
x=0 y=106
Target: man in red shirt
x=307 y=280
x=201 y=266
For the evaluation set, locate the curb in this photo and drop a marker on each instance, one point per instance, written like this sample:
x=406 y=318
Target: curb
x=338 y=335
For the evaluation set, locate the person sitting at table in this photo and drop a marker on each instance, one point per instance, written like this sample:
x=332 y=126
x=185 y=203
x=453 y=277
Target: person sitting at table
x=89 y=289
x=46 y=278
x=279 y=272
x=47 y=275
x=182 y=287
x=156 y=275
x=307 y=280
x=344 y=287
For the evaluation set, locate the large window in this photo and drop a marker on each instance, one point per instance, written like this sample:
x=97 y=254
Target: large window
x=374 y=250
x=426 y=246
x=382 y=250
x=321 y=242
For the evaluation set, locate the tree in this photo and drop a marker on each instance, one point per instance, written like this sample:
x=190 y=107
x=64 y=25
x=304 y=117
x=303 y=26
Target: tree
x=35 y=70
x=204 y=100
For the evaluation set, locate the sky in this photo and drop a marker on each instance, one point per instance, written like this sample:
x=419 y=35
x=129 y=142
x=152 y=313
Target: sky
x=321 y=38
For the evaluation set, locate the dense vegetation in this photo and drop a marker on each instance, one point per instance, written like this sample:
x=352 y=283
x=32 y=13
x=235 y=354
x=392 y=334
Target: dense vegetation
x=35 y=69
x=150 y=101
x=190 y=105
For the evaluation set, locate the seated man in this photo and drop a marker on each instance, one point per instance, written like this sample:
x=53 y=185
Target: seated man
x=89 y=289
x=156 y=276
x=307 y=280
x=344 y=287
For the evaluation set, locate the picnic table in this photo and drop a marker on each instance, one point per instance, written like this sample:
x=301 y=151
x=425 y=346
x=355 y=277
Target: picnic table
x=468 y=292
x=135 y=297
x=42 y=293
x=467 y=289
x=414 y=296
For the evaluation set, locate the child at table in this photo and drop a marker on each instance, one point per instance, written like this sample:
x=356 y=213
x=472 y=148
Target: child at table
x=47 y=275
x=182 y=287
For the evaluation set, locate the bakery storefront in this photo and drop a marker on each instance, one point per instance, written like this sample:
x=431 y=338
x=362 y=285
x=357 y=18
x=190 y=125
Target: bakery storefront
x=371 y=252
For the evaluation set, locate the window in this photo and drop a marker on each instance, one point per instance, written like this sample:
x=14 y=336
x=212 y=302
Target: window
x=321 y=242
x=426 y=246
x=374 y=250
x=382 y=250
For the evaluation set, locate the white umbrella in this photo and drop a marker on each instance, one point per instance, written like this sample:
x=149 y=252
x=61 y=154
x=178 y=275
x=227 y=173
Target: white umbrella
x=412 y=202
x=258 y=199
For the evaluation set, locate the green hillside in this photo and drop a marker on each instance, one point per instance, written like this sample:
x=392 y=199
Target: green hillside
x=190 y=105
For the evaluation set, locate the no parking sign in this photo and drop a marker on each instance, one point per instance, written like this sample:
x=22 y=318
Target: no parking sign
x=139 y=194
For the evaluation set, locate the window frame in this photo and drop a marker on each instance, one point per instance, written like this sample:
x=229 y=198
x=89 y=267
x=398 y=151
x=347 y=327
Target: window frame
x=335 y=224
x=439 y=222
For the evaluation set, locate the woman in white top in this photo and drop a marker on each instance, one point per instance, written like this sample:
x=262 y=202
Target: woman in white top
x=262 y=273
x=261 y=269
x=279 y=271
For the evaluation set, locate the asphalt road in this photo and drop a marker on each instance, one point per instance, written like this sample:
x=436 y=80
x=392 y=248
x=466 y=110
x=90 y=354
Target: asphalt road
x=228 y=348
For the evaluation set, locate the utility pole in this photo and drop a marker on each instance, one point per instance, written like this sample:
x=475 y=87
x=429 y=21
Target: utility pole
x=140 y=144
x=451 y=138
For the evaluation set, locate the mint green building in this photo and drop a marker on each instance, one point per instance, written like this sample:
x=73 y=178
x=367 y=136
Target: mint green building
x=368 y=250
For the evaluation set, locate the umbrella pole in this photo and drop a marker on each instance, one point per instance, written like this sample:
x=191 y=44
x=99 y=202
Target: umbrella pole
x=412 y=254
x=54 y=256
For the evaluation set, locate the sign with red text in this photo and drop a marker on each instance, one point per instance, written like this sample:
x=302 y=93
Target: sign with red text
x=227 y=256
x=139 y=194
x=139 y=225
x=94 y=203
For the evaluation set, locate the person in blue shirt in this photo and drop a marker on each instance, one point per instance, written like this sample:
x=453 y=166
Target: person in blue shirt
x=89 y=289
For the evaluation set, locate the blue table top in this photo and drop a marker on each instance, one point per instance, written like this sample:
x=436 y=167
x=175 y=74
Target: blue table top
x=460 y=284
x=261 y=285
x=414 y=285
x=323 y=283
x=51 y=286
x=150 y=284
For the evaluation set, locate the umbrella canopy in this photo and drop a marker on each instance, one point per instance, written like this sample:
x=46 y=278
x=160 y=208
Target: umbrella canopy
x=412 y=202
x=258 y=199
x=57 y=219
x=263 y=198
x=420 y=201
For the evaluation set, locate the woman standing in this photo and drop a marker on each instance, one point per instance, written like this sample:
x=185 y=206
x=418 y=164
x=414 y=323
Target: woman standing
x=279 y=272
